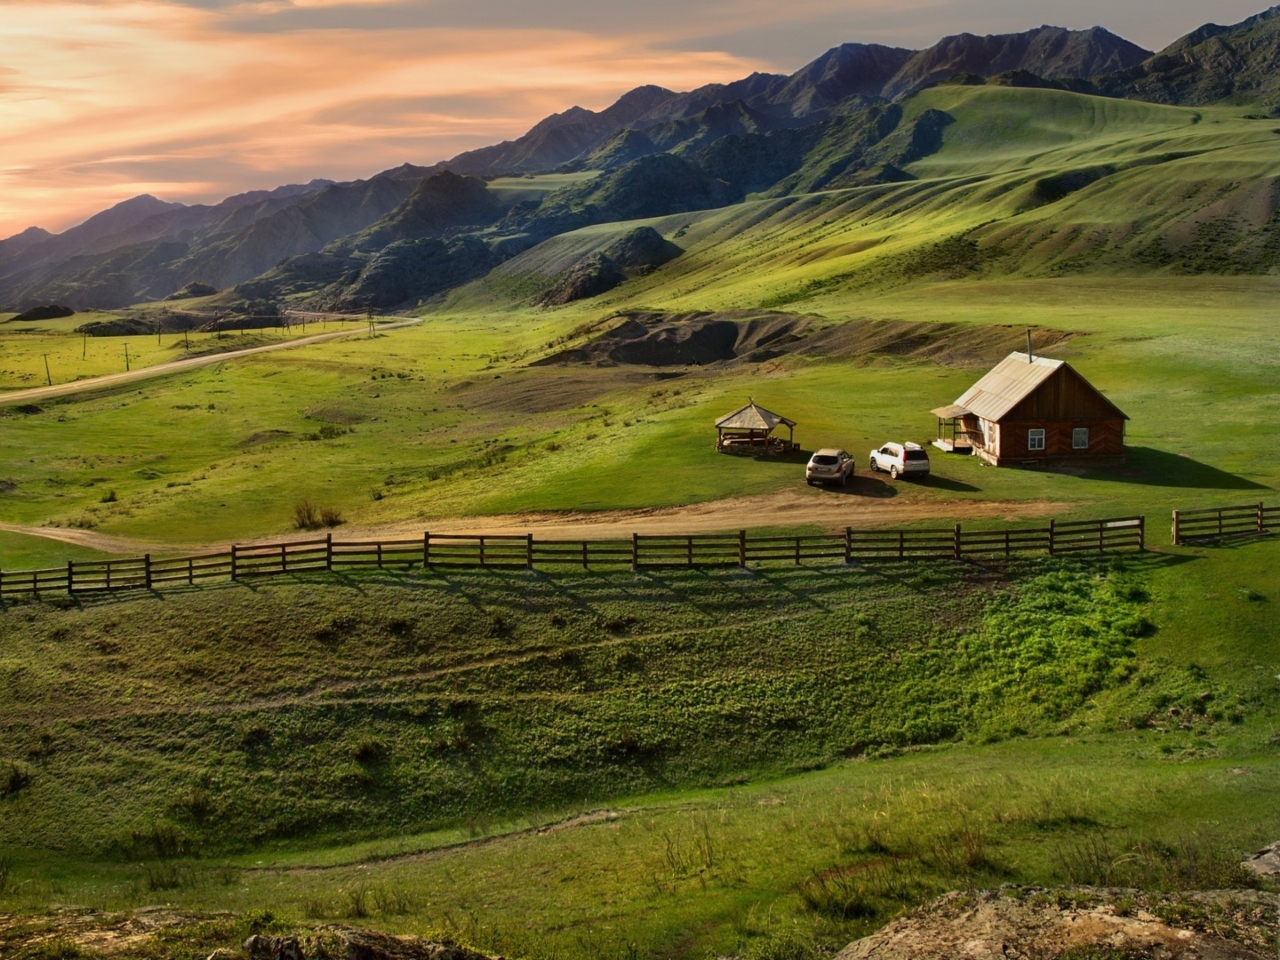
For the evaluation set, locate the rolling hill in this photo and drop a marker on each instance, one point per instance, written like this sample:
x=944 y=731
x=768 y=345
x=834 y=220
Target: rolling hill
x=860 y=117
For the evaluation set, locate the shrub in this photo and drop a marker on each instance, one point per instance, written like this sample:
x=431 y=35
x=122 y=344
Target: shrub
x=331 y=517
x=15 y=779
x=109 y=497
x=331 y=431
x=369 y=750
x=306 y=516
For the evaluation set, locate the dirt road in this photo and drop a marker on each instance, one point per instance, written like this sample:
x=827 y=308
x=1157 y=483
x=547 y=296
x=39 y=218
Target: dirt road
x=787 y=508
x=177 y=366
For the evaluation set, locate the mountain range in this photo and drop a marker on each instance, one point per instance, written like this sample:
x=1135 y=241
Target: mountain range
x=415 y=231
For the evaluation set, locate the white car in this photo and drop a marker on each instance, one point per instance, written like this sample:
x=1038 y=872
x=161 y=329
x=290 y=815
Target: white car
x=901 y=460
x=829 y=466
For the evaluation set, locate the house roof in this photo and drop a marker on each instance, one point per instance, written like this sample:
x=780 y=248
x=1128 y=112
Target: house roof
x=752 y=417
x=1010 y=382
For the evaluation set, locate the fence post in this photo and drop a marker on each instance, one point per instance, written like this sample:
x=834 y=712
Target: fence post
x=234 y=571
x=1177 y=541
x=1052 y=533
x=742 y=548
x=191 y=571
x=1219 y=522
x=284 y=559
x=797 y=551
x=328 y=551
x=1142 y=534
x=1006 y=542
x=689 y=551
x=146 y=569
x=528 y=551
x=426 y=549
x=70 y=577
x=635 y=551
x=379 y=554
x=902 y=544
x=848 y=545
x=482 y=551
x=956 y=543
x=585 y=555
x=1262 y=515
x=1102 y=535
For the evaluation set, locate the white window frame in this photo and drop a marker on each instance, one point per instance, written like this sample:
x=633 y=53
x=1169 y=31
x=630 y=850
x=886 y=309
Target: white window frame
x=1075 y=438
x=1036 y=440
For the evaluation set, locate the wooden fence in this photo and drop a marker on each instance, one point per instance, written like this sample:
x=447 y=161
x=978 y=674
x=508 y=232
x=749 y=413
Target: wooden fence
x=527 y=552
x=1219 y=523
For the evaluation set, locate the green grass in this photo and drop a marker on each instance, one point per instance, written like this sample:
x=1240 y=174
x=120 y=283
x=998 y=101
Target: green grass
x=24 y=348
x=337 y=749
x=21 y=552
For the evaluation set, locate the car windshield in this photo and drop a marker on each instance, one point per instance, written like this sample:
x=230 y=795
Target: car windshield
x=826 y=461
x=916 y=455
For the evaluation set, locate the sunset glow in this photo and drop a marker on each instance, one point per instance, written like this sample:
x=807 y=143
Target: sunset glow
x=101 y=101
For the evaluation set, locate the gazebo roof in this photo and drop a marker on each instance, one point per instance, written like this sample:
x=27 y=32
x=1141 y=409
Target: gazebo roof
x=752 y=417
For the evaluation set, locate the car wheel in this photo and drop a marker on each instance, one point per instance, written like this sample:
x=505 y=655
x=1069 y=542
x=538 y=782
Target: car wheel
x=844 y=479
x=893 y=472
x=871 y=465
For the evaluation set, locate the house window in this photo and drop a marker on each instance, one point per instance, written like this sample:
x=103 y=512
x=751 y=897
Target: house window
x=1080 y=438
x=1035 y=439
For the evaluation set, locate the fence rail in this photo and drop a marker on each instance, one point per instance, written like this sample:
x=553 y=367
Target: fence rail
x=641 y=551
x=1220 y=523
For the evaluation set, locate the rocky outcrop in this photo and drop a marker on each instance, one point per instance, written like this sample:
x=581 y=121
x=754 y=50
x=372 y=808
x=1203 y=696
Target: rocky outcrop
x=50 y=312
x=346 y=943
x=1266 y=862
x=410 y=270
x=1036 y=924
x=639 y=252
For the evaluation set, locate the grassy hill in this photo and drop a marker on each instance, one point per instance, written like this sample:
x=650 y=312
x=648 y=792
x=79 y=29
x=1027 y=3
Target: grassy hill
x=388 y=748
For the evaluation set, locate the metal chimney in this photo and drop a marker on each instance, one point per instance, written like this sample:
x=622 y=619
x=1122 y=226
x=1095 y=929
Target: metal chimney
x=1030 y=356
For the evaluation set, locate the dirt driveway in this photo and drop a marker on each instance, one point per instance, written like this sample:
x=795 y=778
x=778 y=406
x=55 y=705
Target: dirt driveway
x=786 y=508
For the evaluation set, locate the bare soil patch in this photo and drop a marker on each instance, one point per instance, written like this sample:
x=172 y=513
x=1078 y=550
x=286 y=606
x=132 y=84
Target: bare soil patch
x=649 y=339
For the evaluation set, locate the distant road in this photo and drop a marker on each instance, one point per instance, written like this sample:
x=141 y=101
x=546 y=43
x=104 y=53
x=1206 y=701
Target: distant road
x=177 y=366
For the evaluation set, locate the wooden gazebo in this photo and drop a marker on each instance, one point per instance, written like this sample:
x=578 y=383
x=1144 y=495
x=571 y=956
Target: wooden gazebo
x=750 y=430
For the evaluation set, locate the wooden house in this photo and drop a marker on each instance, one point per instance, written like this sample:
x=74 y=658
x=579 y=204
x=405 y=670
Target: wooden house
x=1031 y=410
x=750 y=430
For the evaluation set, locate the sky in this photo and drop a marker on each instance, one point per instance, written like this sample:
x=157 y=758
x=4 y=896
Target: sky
x=194 y=100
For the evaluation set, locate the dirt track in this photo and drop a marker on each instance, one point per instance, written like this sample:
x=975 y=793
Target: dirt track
x=176 y=366
x=787 y=508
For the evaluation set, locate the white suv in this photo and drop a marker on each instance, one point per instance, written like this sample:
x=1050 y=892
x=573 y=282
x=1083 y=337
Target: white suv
x=901 y=459
x=829 y=466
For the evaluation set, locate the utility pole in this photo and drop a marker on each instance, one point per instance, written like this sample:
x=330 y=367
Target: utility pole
x=126 y=358
x=186 y=339
x=47 y=377
x=84 y=345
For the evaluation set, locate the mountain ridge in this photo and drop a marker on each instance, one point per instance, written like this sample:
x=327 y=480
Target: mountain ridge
x=830 y=124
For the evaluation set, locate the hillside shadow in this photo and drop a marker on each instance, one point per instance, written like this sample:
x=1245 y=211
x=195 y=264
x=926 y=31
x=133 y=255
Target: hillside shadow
x=1147 y=466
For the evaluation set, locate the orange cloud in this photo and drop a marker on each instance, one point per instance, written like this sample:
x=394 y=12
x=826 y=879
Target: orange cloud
x=109 y=100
